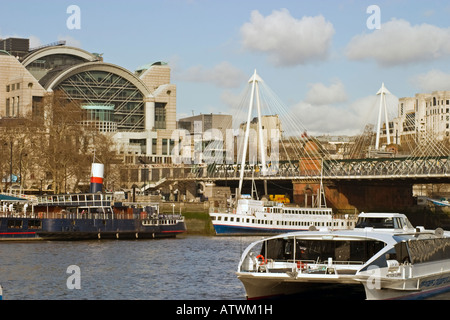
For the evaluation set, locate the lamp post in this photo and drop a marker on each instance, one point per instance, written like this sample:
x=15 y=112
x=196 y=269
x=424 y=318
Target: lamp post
x=10 y=164
x=10 y=168
x=20 y=168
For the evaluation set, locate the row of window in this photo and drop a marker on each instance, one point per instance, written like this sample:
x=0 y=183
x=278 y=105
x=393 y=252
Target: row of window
x=296 y=211
x=437 y=111
x=167 y=146
x=154 y=222
x=12 y=106
x=333 y=223
x=18 y=224
x=447 y=102
x=12 y=87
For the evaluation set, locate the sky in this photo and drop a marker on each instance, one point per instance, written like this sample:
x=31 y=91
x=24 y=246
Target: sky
x=324 y=59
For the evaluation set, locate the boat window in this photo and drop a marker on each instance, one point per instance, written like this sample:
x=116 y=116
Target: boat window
x=423 y=250
x=15 y=224
x=381 y=223
x=34 y=224
x=398 y=223
x=320 y=250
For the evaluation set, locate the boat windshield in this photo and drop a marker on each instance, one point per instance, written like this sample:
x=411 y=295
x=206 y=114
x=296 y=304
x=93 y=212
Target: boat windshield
x=383 y=222
x=281 y=249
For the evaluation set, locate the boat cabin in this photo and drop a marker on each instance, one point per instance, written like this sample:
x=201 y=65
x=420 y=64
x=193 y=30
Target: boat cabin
x=388 y=221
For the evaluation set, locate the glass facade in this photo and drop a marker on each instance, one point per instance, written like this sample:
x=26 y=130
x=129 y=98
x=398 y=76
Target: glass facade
x=106 y=88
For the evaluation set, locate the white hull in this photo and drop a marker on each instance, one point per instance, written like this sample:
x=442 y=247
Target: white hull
x=366 y=263
x=260 y=286
x=260 y=218
x=264 y=286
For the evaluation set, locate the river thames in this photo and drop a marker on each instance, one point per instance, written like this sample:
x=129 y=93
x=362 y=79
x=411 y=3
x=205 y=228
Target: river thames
x=184 y=268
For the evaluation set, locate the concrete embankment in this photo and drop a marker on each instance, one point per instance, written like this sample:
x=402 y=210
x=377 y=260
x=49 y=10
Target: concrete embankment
x=195 y=214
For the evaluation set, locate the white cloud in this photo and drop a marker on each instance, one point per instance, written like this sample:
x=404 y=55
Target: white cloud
x=434 y=80
x=323 y=119
x=288 y=41
x=321 y=94
x=399 y=43
x=340 y=118
x=223 y=75
x=34 y=42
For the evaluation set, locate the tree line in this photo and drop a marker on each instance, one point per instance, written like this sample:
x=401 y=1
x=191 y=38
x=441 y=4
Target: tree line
x=51 y=149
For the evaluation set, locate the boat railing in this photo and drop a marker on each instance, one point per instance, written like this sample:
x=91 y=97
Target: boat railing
x=107 y=215
x=308 y=266
x=76 y=200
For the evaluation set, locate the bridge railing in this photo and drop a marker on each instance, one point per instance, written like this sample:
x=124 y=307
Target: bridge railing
x=351 y=168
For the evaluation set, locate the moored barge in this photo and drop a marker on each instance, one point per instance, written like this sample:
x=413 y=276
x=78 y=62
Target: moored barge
x=86 y=216
x=82 y=217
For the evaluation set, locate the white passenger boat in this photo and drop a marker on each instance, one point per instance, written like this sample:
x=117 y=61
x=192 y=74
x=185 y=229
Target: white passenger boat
x=384 y=257
x=259 y=217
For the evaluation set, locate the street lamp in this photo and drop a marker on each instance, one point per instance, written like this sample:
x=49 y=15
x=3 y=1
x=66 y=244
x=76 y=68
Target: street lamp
x=10 y=164
x=20 y=168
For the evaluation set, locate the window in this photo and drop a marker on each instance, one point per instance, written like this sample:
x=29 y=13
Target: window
x=171 y=146
x=164 y=146
x=160 y=115
x=7 y=107
x=144 y=175
x=154 y=145
x=15 y=224
x=34 y=224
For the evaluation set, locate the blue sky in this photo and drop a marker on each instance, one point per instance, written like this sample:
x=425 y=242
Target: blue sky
x=319 y=56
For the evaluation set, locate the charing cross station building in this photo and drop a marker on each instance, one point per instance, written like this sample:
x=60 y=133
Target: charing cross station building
x=138 y=109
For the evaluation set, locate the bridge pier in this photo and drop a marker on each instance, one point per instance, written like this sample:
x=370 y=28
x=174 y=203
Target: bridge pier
x=360 y=195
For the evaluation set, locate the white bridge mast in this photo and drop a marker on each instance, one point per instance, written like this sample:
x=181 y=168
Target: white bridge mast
x=262 y=150
x=382 y=92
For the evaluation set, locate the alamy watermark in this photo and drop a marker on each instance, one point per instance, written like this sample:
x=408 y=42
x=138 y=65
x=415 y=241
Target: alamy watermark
x=374 y=20
x=74 y=280
x=74 y=20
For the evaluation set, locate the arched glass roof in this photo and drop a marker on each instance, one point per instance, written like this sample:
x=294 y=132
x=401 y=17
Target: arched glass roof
x=106 y=84
x=43 y=61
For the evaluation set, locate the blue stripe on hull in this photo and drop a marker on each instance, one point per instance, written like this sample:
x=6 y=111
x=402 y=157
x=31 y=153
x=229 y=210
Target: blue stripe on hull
x=425 y=294
x=239 y=230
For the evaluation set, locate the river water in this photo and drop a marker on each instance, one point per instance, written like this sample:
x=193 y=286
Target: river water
x=184 y=268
